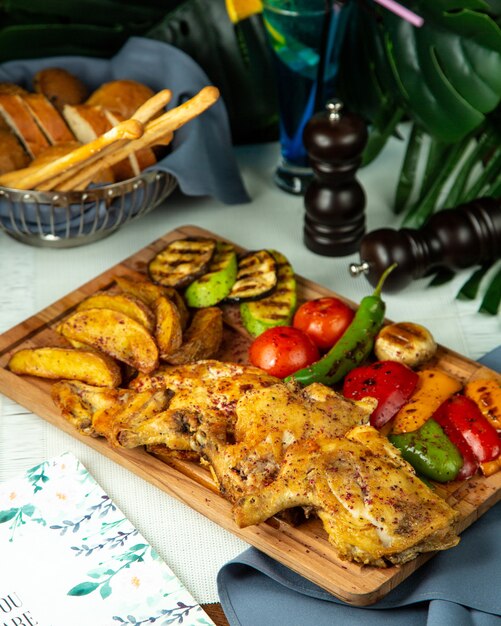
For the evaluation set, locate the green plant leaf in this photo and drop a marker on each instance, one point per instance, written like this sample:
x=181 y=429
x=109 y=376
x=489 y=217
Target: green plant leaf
x=492 y=297
x=470 y=289
x=443 y=275
x=83 y=589
x=447 y=71
x=7 y=515
x=407 y=177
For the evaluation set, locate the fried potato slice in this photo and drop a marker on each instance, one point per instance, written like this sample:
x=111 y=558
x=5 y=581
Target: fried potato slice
x=113 y=333
x=125 y=303
x=148 y=292
x=78 y=402
x=168 y=329
x=203 y=338
x=87 y=366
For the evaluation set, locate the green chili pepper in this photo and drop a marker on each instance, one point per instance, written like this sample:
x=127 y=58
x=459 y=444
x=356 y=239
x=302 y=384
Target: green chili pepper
x=430 y=452
x=354 y=346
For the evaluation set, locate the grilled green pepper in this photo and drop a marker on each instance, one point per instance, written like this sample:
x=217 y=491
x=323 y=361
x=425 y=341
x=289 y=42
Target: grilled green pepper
x=354 y=346
x=430 y=452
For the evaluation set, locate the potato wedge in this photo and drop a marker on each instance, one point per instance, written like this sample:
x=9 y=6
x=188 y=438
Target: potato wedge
x=125 y=303
x=78 y=402
x=202 y=339
x=148 y=292
x=113 y=333
x=87 y=366
x=168 y=329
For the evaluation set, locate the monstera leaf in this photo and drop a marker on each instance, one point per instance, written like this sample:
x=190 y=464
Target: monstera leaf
x=448 y=71
x=445 y=79
x=445 y=76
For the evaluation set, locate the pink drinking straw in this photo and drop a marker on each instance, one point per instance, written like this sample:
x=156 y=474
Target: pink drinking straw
x=401 y=11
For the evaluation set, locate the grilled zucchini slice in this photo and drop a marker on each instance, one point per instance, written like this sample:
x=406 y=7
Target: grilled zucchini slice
x=182 y=261
x=276 y=309
x=256 y=277
x=214 y=286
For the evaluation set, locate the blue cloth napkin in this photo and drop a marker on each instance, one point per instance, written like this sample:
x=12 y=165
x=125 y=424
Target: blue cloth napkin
x=461 y=586
x=202 y=158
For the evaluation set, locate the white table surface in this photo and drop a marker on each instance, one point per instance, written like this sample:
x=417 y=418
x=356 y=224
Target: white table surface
x=33 y=278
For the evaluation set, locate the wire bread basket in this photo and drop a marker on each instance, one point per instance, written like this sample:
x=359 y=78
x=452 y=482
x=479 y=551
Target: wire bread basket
x=68 y=219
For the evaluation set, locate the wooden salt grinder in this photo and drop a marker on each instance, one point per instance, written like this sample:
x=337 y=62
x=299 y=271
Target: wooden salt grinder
x=334 y=201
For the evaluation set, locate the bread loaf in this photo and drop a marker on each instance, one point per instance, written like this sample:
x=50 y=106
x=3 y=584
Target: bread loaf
x=10 y=88
x=121 y=97
x=88 y=122
x=60 y=86
x=48 y=118
x=18 y=117
x=12 y=154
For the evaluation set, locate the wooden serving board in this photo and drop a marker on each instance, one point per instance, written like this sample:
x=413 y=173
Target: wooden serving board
x=303 y=548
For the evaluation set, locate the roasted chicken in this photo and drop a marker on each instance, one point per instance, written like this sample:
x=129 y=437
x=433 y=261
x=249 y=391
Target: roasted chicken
x=267 y=422
x=272 y=447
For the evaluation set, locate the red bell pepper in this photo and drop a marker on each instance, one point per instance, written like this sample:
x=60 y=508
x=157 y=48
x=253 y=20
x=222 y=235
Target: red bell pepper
x=470 y=462
x=390 y=382
x=462 y=414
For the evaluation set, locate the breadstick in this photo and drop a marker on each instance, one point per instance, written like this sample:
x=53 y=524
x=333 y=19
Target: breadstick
x=152 y=106
x=81 y=179
x=32 y=177
x=158 y=131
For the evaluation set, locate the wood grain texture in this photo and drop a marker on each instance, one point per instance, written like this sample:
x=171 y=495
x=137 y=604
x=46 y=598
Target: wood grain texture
x=304 y=548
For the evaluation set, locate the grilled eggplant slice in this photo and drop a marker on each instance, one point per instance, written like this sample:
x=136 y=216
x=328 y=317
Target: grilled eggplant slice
x=216 y=283
x=256 y=277
x=182 y=261
x=278 y=308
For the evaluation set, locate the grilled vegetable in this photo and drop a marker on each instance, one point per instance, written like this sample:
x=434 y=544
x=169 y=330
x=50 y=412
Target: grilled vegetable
x=87 y=366
x=433 y=388
x=126 y=303
x=115 y=334
x=256 y=277
x=390 y=382
x=216 y=283
x=464 y=415
x=470 y=461
x=355 y=344
x=430 y=452
x=182 y=261
x=487 y=396
x=406 y=342
x=276 y=309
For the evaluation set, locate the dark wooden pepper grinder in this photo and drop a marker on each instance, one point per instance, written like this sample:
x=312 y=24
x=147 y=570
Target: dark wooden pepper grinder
x=334 y=201
x=457 y=238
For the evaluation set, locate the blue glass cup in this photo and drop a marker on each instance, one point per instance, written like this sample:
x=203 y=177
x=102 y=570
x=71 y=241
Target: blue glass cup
x=304 y=36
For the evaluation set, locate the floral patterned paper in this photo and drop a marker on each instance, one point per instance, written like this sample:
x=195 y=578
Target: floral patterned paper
x=69 y=557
